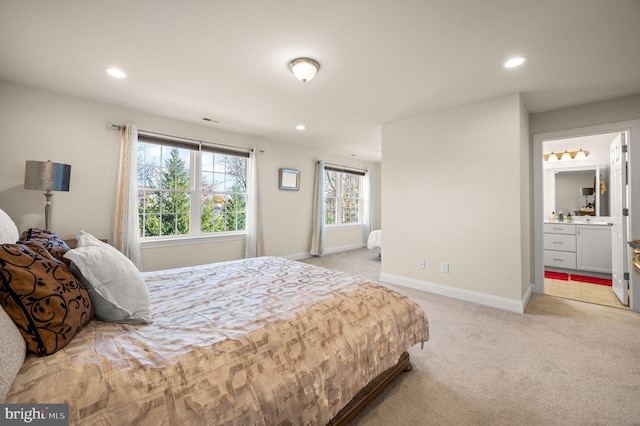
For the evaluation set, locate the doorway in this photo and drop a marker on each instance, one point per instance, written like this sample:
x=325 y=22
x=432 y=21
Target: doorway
x=577 y=188
x=572 y=140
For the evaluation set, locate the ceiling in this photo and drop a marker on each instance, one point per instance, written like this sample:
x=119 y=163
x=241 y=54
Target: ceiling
x=381 y=60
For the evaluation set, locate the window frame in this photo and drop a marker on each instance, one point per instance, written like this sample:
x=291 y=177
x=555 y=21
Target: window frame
x=195 y=191
x=340 y=172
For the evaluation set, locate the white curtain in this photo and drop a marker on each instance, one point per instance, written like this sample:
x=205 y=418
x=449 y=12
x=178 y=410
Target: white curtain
x=317 y=232
x=253 y=242
x=126 y=234
x=367 y=210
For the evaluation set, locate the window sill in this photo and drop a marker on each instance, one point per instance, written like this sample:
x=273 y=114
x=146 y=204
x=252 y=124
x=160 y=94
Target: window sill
x=344 y=226
x=190 y=240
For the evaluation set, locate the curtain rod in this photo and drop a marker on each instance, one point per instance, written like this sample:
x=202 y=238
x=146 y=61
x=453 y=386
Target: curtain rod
x=178 y=138
x=112 y=126
x=355 y=169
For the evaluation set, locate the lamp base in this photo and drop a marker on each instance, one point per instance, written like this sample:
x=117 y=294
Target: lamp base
x=47 y=210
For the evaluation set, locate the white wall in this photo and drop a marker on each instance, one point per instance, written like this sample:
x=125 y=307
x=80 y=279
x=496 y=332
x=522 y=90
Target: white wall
x=593 y=114
x=526 y=211
x=42 y=125
x=456 y=188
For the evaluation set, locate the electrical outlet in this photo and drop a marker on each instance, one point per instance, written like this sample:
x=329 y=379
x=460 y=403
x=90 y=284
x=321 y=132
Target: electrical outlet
x=421 y=263
x=444 y=267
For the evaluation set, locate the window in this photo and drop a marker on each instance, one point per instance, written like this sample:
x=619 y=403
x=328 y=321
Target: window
x=343 y=196
x=189 y=188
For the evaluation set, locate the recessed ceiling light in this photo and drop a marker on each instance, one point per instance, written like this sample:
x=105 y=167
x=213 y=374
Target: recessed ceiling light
x=115 y=72
x=515 y=62
x=301 y=127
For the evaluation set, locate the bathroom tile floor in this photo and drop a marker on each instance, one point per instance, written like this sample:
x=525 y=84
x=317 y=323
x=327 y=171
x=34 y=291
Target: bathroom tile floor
x=586 y=292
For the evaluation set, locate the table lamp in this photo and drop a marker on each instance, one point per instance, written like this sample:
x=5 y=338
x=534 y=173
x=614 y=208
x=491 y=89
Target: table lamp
x=586 y=192
x=47 y=176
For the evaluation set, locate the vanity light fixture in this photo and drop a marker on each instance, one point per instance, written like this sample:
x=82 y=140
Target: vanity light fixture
x=304 y=68
x=566 y=155
x=581 y=154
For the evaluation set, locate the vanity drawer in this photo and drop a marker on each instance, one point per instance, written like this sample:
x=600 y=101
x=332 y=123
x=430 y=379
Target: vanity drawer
x=559 y=228
x=560 y=242
x=560 y=259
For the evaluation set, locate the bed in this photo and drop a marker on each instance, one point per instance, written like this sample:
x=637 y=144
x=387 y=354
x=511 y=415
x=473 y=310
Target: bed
x=254 y=341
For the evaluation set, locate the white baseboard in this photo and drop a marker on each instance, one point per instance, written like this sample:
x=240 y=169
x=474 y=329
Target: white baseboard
x=304 y=255
x=344 y=248
x=297 y=256
x=511 y=305
x=527 y=296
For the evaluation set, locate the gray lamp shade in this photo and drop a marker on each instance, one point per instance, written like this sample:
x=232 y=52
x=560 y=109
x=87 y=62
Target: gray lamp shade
x=47 y=176
x=586 y=191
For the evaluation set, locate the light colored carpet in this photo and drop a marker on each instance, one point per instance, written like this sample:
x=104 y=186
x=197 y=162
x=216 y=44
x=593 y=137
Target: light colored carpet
x=563 y=362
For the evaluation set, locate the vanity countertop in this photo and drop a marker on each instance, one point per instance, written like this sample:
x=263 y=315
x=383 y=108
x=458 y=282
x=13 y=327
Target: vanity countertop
x=581 y=221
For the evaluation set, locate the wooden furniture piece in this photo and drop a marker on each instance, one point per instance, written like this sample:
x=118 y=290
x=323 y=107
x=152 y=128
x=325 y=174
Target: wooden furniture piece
x=72 y=242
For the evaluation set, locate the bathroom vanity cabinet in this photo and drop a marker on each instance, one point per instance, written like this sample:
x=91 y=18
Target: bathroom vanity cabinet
x=593 y=248
x=578 y=246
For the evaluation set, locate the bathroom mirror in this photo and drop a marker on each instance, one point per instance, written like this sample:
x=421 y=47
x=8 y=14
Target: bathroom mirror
x=289 y=179
x=565 y=190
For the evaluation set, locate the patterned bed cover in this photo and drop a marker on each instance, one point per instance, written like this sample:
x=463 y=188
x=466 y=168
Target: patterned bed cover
x=254 y=341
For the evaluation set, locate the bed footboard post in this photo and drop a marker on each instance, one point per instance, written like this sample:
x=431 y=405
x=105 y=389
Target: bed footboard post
x=370 y=391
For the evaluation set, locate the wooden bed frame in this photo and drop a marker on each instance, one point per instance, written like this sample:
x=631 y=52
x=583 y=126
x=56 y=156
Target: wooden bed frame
x=370 y=391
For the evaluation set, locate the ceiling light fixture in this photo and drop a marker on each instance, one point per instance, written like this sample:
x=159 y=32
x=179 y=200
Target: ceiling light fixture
x=115 y=72
x=515 y=62
x=304 y=68
x=301 y=127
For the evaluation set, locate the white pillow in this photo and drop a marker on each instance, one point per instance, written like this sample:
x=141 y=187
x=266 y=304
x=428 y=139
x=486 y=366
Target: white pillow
x=12 y=352
x=84 y=239
x=8 y=230
x=116 y=289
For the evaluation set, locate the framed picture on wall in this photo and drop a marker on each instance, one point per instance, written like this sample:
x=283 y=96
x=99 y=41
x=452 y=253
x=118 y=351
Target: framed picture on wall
x=290 y=179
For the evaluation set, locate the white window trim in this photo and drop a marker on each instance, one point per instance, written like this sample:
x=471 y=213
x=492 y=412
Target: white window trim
x=195 y=236
x=183 y=240
x=339 y=199
x=345 y=225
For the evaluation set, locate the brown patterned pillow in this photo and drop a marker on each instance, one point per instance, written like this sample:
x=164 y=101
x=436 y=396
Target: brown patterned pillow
x=50 y=240
x=42 y=297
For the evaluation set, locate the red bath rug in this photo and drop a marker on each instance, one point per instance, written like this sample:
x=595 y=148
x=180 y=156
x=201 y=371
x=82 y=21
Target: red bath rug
x=556 y=275
x=591 y=280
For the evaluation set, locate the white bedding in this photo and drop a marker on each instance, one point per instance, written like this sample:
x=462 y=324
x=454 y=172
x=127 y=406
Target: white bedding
x=257 y=341
x=375 y=240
